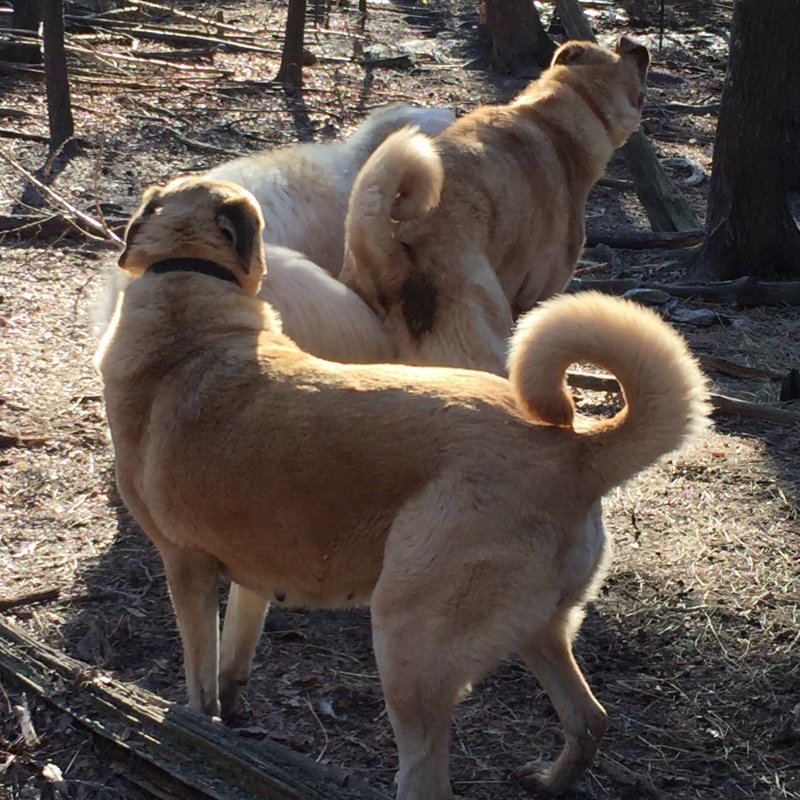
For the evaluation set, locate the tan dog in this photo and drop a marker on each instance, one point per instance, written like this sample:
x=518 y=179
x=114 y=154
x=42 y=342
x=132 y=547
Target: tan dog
x=303 y=189
x=320 y=314
x=463 y=508
x=448 y=239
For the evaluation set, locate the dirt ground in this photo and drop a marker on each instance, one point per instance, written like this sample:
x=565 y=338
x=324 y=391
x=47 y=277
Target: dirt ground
x=693 y=645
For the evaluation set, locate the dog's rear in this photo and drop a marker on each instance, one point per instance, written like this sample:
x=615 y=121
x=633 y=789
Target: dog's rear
x=303 y=189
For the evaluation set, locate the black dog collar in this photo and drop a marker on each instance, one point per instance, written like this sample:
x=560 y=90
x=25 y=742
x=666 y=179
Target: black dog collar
x=200 y=265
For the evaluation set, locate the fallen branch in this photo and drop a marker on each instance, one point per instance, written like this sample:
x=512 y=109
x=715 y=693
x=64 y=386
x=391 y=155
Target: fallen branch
x=167 y=749
x=616 y=183
x=15 y=113
x=150 y=61
x=212 y=23
x=13 y=440
x=744 y=292
x=57 y=198
x=727 y=406
x=42 y=596
x=34 y=226
x=726 y=367
x=688 y=108
x=197 y=145
x=644 y=240
x=10 y=133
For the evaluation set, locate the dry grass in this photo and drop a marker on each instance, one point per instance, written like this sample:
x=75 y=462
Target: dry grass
x=693 y=643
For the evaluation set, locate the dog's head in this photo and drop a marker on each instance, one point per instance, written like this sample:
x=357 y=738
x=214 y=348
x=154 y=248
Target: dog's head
x=198 y=218
x=611 y=83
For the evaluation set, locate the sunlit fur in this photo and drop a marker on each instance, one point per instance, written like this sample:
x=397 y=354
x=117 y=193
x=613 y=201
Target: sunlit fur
x=487 y=218
x=464 y=508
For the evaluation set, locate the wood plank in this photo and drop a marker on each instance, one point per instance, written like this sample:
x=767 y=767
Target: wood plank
x=168 y=750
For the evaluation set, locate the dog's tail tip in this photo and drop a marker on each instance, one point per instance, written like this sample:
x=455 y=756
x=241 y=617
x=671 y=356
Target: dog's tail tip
x=665 y=391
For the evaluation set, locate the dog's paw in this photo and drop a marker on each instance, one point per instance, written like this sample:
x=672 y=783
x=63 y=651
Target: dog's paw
x=536 y=775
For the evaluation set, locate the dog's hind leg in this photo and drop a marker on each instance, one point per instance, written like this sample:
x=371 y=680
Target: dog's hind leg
x=549 y=656
x=244 y=621
x=420 y=694
x=193 y=579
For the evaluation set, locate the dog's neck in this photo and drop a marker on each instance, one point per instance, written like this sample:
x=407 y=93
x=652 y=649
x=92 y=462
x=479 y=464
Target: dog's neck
x=590 y=102
x=187 y=264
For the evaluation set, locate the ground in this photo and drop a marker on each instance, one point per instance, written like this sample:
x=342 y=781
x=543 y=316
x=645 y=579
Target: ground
x=692 y=645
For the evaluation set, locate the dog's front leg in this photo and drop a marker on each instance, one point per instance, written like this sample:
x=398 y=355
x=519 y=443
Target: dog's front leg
x=244 y=621
x=193 y=579
x=549 y=657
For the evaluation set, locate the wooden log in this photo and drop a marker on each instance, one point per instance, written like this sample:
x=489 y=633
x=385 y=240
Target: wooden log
x=745 y=292
x=721 y=404
x=176 y=752
x=644 y=240
x=665 y=205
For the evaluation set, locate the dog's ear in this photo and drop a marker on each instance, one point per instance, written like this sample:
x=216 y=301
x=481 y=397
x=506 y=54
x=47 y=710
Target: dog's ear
x=147 y=206
x=569 y=52
x=241 y=224
x=633 y=51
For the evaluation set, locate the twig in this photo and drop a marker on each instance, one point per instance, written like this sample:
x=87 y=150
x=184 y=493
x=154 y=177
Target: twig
x=12 y=440
x=42 y=596
x=10 y=133
x=212 y=23
x=201 y=145
x=175 y=55
x=83 y=217
x=15 y=113
x=616 y=183
x=224 y=73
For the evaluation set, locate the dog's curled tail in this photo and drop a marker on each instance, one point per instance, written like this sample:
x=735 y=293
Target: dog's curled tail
x=665 y=391
x=400 y=182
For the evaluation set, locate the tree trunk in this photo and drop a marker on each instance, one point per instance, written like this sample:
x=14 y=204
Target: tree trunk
x=750 y=228
x=59 y=108
x=290 y=72
x=516 y=34
x=26 y=17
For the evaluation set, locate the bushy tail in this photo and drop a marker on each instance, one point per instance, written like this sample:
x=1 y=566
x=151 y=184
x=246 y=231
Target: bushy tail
x=400 y=182
x=665 y=391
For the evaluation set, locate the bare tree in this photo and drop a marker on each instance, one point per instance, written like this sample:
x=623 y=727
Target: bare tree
x=59 y=107
x=750 y=228
x=516 y=34
x=290 y=72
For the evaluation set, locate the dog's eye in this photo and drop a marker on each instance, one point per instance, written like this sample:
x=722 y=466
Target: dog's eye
x=150 y=208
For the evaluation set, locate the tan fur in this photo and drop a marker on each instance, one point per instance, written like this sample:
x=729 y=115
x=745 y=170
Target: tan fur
x=320 y=314
x=441 y=497
x=509 y=225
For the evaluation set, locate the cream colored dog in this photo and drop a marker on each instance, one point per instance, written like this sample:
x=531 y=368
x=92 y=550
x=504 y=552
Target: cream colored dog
x=303 y=189
x=463 y=508
x=449 y=239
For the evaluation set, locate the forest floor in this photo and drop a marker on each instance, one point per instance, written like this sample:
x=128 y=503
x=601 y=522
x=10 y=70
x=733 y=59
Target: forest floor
x=693 y=646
